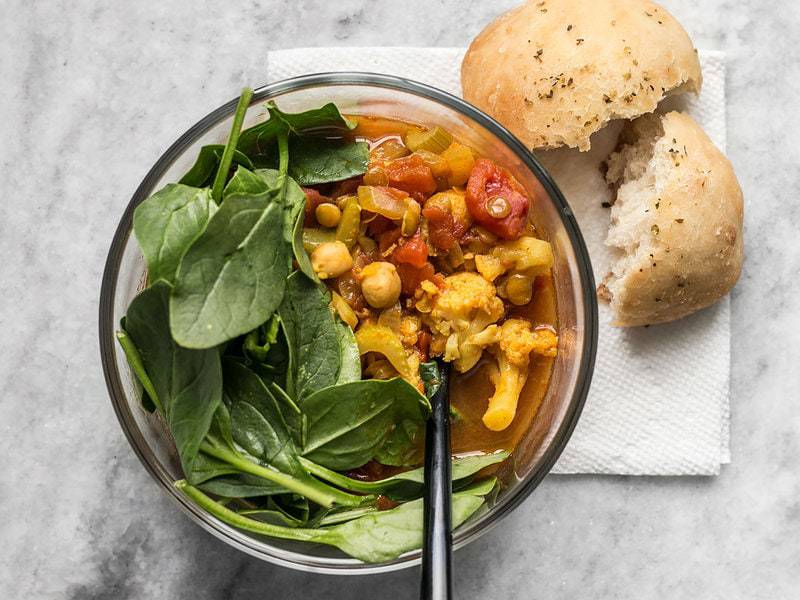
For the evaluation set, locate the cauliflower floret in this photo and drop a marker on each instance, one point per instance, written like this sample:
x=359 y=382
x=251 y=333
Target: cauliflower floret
x=528 y=255
x=513 y=343
x=466 y=306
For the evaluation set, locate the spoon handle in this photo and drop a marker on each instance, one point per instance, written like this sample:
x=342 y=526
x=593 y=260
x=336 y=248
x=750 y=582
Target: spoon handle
x=437 y=558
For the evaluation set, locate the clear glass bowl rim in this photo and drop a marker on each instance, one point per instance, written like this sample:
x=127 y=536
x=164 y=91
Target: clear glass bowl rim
x=123 y=231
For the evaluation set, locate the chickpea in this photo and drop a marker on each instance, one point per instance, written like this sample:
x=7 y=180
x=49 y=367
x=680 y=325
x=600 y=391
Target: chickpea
x=331 y=259
x=328 y=215
x=519 y=289
x=380 y=284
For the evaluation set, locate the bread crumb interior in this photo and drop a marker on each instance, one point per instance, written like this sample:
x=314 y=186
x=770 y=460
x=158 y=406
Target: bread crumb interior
x=634 y=171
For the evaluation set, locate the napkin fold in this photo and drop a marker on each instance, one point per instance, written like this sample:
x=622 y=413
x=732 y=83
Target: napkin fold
x=659 y=401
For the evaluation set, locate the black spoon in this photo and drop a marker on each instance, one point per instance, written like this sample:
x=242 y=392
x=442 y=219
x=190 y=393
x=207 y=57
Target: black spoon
x=437 y=556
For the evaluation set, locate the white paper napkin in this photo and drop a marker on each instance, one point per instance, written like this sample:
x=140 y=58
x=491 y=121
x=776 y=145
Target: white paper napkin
x=659 y=402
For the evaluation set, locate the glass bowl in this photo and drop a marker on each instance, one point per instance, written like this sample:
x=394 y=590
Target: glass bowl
x=365 y=93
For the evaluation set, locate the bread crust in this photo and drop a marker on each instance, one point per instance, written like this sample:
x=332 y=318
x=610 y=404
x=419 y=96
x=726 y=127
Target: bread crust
x=556 y=71
x=681 y=231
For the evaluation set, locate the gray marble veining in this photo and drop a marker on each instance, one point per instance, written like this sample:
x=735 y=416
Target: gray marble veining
x=93 y=92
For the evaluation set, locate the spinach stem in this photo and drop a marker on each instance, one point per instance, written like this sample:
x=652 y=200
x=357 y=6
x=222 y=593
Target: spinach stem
x=338 y=479
x=232 y=518
x=320 y=493
x=135 y=361
x=230 y=147
x=283 y=155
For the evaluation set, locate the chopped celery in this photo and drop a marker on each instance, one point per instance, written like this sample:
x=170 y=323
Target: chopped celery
x=432 y=140
x=313 y=237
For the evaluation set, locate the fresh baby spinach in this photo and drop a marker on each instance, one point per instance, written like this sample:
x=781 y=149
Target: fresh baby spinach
x=167 y=223
x=317 y=344
x=207 y=164
x=320 y=160
x=186 y=384
x=232 y=278
x=372 y=537
x=347 y=423
x=409 y=484
x=402 y=448
x=260 y=140
x=319 y=154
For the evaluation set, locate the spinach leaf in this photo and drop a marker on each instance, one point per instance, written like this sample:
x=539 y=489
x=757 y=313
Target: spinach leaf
x=258 y=343
x=257 y=424
x=232 y=278
x=245 y=181
x=402 y=448
x=292 y=506
x=346 y=424
x=206 y=468
x=258 y=428
x=299 y=250
x=295 y=419
x=316 y=342
x=294 y=202
x=350 y=368
x=409 y=484
x=320 y=160
x=186 y=383
x=202 y=172
x=385 y=535
x=374 y=537
x=261 y=180
x=260 y=139
x=167 y=223
x=335 y=516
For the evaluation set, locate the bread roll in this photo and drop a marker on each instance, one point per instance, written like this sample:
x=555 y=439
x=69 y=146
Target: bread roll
x=556 y=71
x=676 y=222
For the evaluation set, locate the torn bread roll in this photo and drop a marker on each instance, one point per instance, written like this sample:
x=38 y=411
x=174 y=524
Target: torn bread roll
x=676 y=222
x=556 y=71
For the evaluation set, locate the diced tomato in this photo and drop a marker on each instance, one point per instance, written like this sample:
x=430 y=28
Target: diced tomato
x=411 y=277
x=412 y=251
x=372 y=471
x=411 y=174
x=379 y=225
x=387 y=238
x=313 y=199
x=488 y=181
x=441 y=227
x=385 y=503
x=348 y=186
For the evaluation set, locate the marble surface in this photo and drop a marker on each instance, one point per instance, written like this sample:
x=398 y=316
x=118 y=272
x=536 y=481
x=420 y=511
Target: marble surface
x=94 y=91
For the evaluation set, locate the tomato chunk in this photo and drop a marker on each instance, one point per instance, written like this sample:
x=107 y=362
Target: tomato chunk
x=442 y=229
x=411 y=251
x=411 y=277
x=492 y=188
x=387 y=238
x=410 y=174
